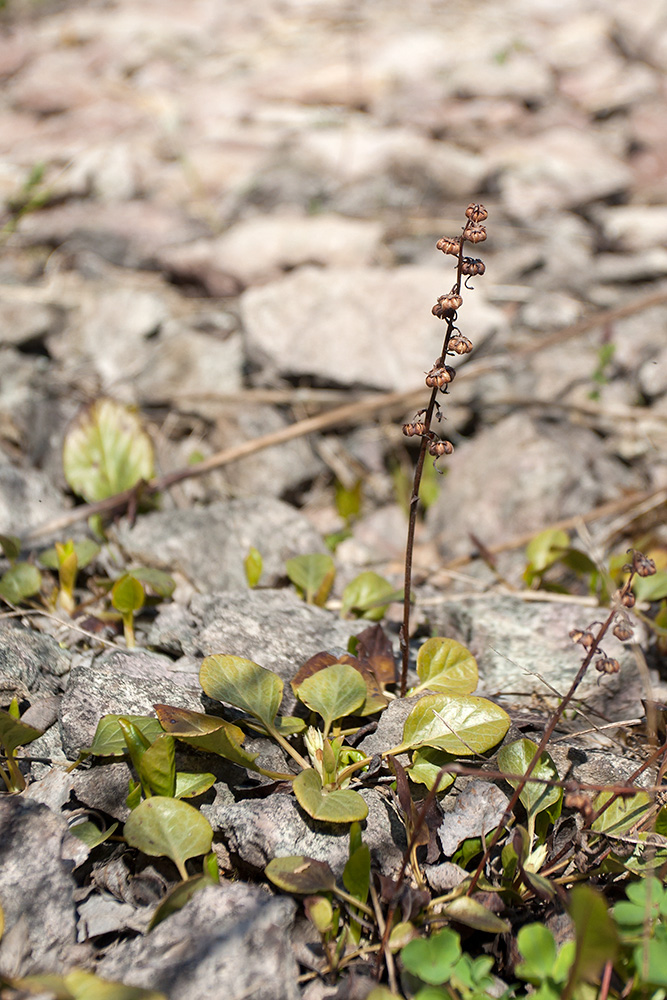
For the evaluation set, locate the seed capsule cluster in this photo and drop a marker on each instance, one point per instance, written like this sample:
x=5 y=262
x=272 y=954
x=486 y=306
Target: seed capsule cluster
x=441 y=375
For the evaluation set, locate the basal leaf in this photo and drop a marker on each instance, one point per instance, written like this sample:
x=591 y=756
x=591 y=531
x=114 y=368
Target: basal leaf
x=106 y=450
x=470 y=912
x=301 y=874
x=253 y=564
x=157 y=766
x=464 y=725
x=90 y=834
x=14 y=733
x=189 y=785
x=515 y=759
x=161 y=583
x=333 y=692
x=622 y=814
x=109 y=741
x=433 y=959
x=313 y=575
x=164 y=827
x=206 y=732
x=339 y=806
x=243 y=684
x=20 y=581
x=127 y=594
x=368 y=596
x=426 y=765
x=445 y=665
x=546 y=548
x=595 y=933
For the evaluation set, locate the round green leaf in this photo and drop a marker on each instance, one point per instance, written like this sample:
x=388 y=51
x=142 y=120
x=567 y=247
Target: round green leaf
x=515 y=759
x=127 y=595
x=189 y=785
x=471 y=725
x=106 y=450
x=301 y=874
x=472 y=913
x=87 y=986
x=313 y=575
x=163 y=827
x=21 y=581
x=90 y=833
x=333 y=692
x=243 y=684
x=445 y=665
x=109 y=740
x=622 y=814
x=340 y=806
x=206 y=732
x=368 y=596
x=426 y=765
x=432 y=959
x=14 y=733
x=546 y=548
x=157 y=767
x=157 y=580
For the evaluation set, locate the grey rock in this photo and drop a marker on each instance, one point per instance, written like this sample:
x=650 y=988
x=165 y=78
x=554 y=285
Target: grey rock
x=29 y=662
x=209 y=544
x=514 y=641
x=256 y=250
x=477 y=810
x=519 y=476
x=272 y=472
x=634 y=227
x=23 y=320
x=102 y=914
x=130 y=233
x=444 y=876
x=561 y=168
x=389 y=732
x=258 y=831
x=27 y=498
x=186 y=362
x=275 y=628
x=123 y=682
x=324 y=324
x=229 y=940
x=41 y=891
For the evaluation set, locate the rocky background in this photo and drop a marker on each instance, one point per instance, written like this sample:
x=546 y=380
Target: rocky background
x=225 y=213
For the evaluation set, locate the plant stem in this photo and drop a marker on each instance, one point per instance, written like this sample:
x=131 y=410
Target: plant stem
x=287 y=747
x=404 y=634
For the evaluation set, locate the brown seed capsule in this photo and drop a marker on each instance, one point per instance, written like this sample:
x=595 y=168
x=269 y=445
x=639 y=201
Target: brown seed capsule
x=623 y=631
x=607 y=665
x=417 y=427
x=473 y=266
x=641 y=564
x=438 y=448
x=580 y=802
x=439 y=377
x=447 y=305
x=628 y=600
x=448 y=245
x=460 y=344
x=585 y=638
x=476 y=234
x=476 y=212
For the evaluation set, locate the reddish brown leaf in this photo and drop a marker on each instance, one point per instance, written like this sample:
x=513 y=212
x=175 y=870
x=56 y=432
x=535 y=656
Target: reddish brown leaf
x=374 y=649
